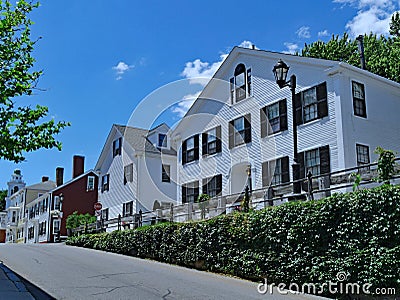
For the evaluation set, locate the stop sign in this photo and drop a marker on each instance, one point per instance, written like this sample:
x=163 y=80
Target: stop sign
x=97 y=206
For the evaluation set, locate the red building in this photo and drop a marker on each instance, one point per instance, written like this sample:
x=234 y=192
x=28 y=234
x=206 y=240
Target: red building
x=79 y=194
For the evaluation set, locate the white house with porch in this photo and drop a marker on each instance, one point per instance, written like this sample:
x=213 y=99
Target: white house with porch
x=239 y=131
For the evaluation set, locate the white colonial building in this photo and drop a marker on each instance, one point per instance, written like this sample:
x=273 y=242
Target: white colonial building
x=137 y=170
x=239 y=130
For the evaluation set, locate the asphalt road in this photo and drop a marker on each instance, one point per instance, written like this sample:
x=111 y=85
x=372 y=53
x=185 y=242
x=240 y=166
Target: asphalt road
x=67 y=272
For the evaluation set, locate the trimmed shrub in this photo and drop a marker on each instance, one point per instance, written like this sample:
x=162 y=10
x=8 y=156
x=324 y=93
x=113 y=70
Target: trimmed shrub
x=300 y=242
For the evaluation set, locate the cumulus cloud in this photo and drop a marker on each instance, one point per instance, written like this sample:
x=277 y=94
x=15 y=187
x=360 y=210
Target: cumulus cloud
x=200 y=72
x=323 y=33
x=185 y=104
x=121 y=68
x=303 y=32
x=291 y=48
x=372 y=16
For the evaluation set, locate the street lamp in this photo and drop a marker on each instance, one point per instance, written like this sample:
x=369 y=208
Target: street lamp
x=281 y=71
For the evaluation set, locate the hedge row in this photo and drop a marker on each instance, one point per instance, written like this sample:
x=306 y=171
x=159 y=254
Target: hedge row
x=299 y=242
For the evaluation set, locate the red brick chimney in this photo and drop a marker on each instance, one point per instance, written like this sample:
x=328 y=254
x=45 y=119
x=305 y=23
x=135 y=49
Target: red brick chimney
x=59 y=176
x=78 y=166
x=45 y=178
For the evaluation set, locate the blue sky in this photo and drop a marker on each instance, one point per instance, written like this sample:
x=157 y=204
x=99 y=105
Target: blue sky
x=101 y=58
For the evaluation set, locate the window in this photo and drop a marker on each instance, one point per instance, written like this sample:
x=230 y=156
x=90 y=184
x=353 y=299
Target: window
x=275 y=172
x=362 y=156
x=90 y=183
x=14 y=217
x=316 y=160
x=165 y=173
x=127 y=209
x=104 y=214
x=56 y=226
x=117 y=147
x=240 y=83
x=276 y=115
x=162 y=140
x=190 y=192
x=15 y=189
x=240 y=131
x=212 y=186
x=128 y=173
x=31 y=233
x=42 y=228
x=359 y=99
x=311 y=104
x=211 y=141
x=105 y=182
x=57 y=203
x=190 y=149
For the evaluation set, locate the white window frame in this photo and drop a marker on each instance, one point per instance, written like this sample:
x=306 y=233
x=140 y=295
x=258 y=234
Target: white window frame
x=59 y=225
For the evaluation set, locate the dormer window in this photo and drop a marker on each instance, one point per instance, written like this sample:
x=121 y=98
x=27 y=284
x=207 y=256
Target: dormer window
x=240 y=83
x=162 y=140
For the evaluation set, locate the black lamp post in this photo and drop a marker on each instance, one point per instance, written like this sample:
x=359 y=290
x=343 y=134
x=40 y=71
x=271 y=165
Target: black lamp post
x=281 y=71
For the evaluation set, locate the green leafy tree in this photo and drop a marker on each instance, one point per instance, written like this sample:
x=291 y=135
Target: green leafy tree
x=382 y=54
x=395 y=25
x=22 y=128
x=386 y=165
x=75 y=220
x=3 y=195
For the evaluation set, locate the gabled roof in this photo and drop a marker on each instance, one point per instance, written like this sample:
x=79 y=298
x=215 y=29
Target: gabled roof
x=45 y=186
x=74 y=179
x=136 y=138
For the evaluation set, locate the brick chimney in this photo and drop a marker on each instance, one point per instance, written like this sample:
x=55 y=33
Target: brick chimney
x=59 y=176
x=78 y=166
x=45 y=178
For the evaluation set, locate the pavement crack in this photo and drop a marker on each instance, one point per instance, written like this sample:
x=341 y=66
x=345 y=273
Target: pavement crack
x=167 y=294
x=106 y=276
x=37 y=261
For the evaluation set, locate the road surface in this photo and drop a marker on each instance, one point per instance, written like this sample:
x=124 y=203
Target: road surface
x=67 y=272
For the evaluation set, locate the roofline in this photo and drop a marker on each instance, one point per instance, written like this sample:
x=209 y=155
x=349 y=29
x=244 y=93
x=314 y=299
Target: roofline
x=73 y=180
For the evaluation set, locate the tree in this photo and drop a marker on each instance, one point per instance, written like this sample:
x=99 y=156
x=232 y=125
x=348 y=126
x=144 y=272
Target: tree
x=382 y=54
x=23 y=128
x=3 y=195
x=386 y=165
x=395 y=24
x=75 y=220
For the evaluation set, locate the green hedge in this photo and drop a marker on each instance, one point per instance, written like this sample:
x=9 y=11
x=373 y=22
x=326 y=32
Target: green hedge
x=357 y=233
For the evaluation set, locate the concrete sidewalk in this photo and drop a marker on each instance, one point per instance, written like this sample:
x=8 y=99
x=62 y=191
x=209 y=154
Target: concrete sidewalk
x=11 y=286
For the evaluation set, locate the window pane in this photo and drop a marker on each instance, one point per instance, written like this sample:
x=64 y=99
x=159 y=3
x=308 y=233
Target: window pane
x=273 y=111
x=190 y=143
x=312 y=162
x=211 y=135
x=239 y=80
x=358 y=91
x=239 y=124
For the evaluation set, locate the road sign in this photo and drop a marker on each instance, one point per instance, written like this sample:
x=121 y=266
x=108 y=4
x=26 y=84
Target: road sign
x=98 y=206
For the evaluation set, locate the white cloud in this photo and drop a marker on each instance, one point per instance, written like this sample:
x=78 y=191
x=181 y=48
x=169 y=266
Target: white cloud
x=372 y=16
x=200 y=72
x=303 y=32
x=323 y=33
x=121 y=68
x=185 y=104
x=292 y=48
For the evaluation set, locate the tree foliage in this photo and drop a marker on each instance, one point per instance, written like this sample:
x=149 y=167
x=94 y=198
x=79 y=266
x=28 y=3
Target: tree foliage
x=75 y=220
x=3 y=195
x=382 y=54
x=22 y=128
x=395 y=24
x=386 y=165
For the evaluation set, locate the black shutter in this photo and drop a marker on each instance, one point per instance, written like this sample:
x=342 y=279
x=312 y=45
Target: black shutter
x=125 y=179
x=196 y=191
x=247 y=128
x=325 y=162
x=231 y=135
x=285 y=169
x=113 y=148
x=232 y=88
x=183 y=194
x=184 y=152
x=264 y=171
x=205 y=189
x=249 y=82
x=264 y=124
x=108 y=182
x=120 y=146
x=219 y=144
x=204 y=143
x=300 y=160
x=219 y=184
x=102 y=183
x=283 y=115
x=123 y=209
x=322 y=101
x=131 y=208
x=299 y=109
x=196 y=147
